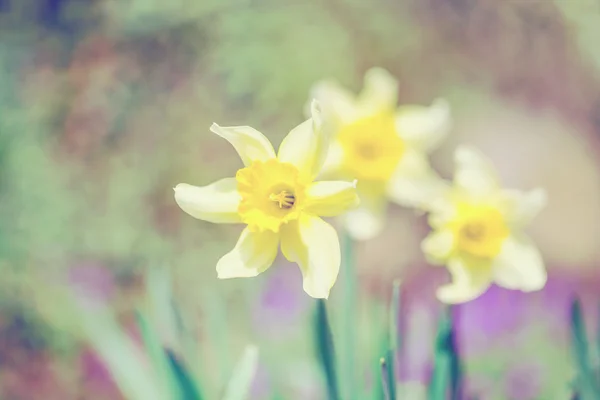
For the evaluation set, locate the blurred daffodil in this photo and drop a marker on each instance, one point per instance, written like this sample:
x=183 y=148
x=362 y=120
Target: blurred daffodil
x=278 y=200
x=384 y=147
x=477 y=232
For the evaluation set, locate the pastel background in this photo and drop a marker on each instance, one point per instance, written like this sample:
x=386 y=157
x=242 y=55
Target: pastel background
x=105 y=106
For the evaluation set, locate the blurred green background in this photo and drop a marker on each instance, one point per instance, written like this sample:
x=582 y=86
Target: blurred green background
x=105 y=106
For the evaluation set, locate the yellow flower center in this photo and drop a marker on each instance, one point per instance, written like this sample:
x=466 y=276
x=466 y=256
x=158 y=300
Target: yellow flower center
x=479 y=230
x=371 y=147
x=271 y=193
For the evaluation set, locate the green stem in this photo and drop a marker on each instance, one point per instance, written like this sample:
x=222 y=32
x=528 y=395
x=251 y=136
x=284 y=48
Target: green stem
x=447 y=374
x=349 y=281
x=587 y=387
x=325 y=350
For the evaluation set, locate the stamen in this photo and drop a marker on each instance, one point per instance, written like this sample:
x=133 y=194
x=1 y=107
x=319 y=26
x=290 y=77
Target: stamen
x=367 y=151
x=285 y=199
x=474 y=232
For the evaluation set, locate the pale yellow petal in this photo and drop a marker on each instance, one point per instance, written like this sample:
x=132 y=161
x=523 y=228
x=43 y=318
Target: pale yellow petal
x=438 y=246
x=470 y=279
x=474 y=174
x=441 y=210
x=519 y=265
x=314 y=245
x=217 y=202
x=380 y=92
x=414 y=183
x=250 y=144
x=331 y=198
x=333 y=162
x=253 y=253
x=335 y=100
x=520 y=208
x=367 y=220
x=306 y=146
x=423 y=128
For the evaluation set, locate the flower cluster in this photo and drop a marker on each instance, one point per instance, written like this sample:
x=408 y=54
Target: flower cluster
x=378 y=151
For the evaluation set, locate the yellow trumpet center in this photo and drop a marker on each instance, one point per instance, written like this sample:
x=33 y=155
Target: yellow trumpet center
x=479 y=230
x=271 y=193
x=371 y=147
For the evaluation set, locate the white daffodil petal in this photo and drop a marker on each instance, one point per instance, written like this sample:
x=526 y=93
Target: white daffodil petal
x=441 y=210
x=473 y=172
x=438 y=246
x=470 y=279
x=331 y=198
x=367 y=220
x=250 y=144
x=380 y=92
x=521 y=208
x=217 y=202
x=424 y=127
x=253 y=254
x=414 y=183
x=519 y=265
x=333 y=161
x=306 y=145
x=336 y=101
x=314 y=245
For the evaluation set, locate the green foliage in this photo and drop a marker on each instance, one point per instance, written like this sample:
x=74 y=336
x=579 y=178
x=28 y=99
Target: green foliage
x=270 y=57
x=446 y=378
x=241 y=381
x=587 y=383
x=325 y=350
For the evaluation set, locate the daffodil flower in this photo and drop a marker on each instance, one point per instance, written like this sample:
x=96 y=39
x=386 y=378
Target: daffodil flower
x=477 y=232
x=278 y=200
x=384 y=147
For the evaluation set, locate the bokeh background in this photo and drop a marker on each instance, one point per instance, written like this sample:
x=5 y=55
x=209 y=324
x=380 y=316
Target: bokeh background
x=105 y=106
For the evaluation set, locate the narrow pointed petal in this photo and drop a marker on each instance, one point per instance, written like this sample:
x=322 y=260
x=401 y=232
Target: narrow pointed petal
x=521 y=208
x=519 y=265
x=333 y=161
x=414 y=183
x=250 y=144
x=217 y=202
x=380 y=92
x=367 y=220
x=253 y=253
x=438 y=246
x=314 y=245
x=331 y=198
x=423 y=128
x=306 y=146
x=335 y=100
x=470 y=279
x=441 y=210
x=474 y=174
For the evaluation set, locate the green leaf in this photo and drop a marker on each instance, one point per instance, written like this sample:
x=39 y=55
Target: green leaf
x=348 y=339
x=388 y=378
x=587 y=387
x=188 y=386
x=389 y=363
x=129 y=371
x=156 y=353
x=325 y=350
x=379 y=391
x=447 y=373
x=241 y=382
x=598 y=338
x=160 y=298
